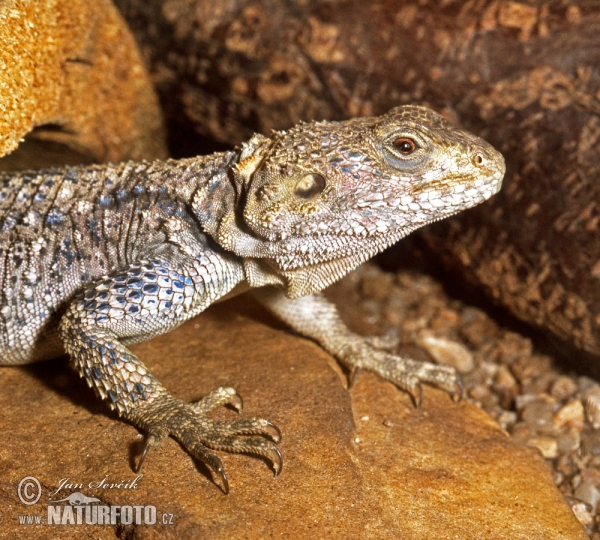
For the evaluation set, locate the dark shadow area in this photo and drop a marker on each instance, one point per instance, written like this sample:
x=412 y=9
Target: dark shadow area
x=183 y=142
x=39 y=151
x=60 y=377
x=247 y=306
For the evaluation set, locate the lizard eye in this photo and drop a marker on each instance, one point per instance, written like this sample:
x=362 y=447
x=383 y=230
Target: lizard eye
x=405 y=146
x=407 y=149
x=309 y=186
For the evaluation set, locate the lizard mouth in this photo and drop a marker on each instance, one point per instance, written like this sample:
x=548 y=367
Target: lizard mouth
x=357 y=241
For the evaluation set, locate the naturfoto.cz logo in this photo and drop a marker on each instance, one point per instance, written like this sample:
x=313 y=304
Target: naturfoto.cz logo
x=93 y=514
x=78 y=508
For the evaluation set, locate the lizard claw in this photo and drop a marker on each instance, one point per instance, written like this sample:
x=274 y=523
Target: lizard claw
x=152 y=441
x=416 y=394
x=458 y=392
x=277 y=459
x=221 y=471
x=354 y=372
x=200 y=452
x=273 y=431
x=142 y=457
x=217 y=467
x=238 y=403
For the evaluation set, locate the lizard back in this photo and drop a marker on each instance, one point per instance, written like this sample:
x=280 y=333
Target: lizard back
x=62 y=229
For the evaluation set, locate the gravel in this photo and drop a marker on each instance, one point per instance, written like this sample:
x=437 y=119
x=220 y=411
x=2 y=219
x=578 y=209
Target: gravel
x=525 y=391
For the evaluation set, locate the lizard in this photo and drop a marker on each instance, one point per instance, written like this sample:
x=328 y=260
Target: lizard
x=96 y=258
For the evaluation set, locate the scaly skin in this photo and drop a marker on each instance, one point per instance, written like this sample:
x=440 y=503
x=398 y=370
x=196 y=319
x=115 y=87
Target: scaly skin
x=93 y=259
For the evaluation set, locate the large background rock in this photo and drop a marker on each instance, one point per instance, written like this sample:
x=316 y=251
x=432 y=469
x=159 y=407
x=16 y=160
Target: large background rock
x=524 y=75
x=70 y=70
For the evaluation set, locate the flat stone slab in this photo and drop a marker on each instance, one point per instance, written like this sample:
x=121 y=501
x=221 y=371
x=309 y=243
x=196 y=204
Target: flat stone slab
x=363 y=464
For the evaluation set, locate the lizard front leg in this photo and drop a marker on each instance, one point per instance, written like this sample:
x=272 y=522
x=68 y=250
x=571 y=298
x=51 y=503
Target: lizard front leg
x=145 y=299
x=315 y=317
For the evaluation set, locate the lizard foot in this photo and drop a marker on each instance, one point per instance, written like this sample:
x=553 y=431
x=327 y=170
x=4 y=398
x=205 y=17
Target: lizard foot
x=405 y=373
x=198 y=434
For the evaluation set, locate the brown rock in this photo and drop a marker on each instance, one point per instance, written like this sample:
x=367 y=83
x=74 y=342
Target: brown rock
x=358 y=465
x=72 y=70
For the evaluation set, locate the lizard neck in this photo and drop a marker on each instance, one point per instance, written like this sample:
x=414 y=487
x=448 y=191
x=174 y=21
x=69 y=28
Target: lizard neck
x=209 y=186
x=218 y=202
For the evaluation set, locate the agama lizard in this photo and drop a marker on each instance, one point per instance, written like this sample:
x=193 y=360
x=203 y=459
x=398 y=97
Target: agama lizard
x=95 y=258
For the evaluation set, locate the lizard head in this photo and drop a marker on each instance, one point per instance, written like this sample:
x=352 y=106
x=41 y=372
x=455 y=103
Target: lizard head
x=321 y=198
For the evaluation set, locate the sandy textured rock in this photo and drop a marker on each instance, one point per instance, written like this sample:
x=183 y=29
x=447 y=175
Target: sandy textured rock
x=72 y=70
x=525 y=75
x=358 y=465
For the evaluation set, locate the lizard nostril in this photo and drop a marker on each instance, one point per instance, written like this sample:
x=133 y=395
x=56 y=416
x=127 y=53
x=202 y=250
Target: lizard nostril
x=478 y=159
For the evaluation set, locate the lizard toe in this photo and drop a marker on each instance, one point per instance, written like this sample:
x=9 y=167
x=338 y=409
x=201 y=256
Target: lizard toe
x=218 y=397
x=407 y=374
x=212 y=461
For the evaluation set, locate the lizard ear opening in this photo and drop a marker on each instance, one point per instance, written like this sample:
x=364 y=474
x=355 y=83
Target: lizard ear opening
x=309 y=186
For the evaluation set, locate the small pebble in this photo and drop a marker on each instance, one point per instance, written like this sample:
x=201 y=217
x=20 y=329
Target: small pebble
x=558 y=477
x=563 y=388
x=588 y=493
x=565 y=465
x=592 y=475
x=521 y=432
x=524 y=399
x=507 y=419
x=539 y=415
x=445 y=319
x=590 y=443
x=478 y=392
x=490 y=369
x=528 y=367
x=546 y=445
x=539 y=384
x=570 y=415
x=582 y=513
x=569 y=442
x=447 y=352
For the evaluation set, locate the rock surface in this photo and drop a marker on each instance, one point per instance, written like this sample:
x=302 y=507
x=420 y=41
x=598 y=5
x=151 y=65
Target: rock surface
x=362 y=464
x=71 y=70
